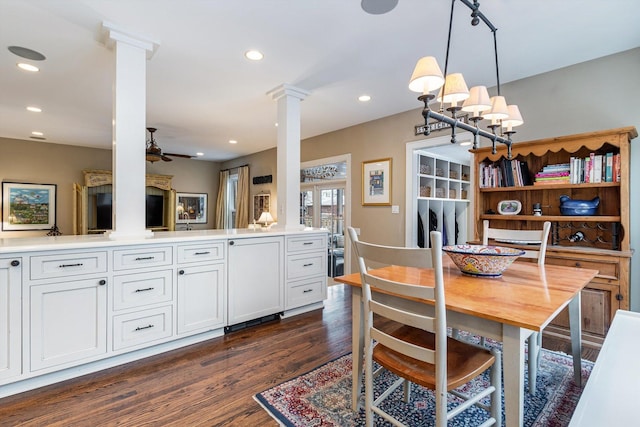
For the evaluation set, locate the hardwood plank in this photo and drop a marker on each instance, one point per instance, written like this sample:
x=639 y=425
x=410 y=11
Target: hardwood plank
x=210 y=383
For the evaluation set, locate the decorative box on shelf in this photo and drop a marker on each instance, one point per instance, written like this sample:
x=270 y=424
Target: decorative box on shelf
x=425 y=169
x=440 y=192
x=452 y=193
x=425 y=191
x=453 y=174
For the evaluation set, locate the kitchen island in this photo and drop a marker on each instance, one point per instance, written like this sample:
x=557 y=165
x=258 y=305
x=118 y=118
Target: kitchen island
x=71 y=305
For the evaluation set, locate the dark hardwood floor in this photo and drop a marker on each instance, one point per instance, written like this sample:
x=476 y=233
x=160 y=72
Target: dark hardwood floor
x=207 y=384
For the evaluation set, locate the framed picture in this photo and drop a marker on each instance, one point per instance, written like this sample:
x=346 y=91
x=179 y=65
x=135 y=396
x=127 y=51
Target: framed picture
x=191 y=208
x=376 y=182
x=28 y=206
x=261 y=203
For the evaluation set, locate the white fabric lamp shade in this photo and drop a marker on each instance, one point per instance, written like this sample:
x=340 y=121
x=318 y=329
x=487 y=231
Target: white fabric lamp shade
x=514 y=119
x=265 y=217
x=498 y=110
x=426 y=76
x=455 y=90
x=478 y=101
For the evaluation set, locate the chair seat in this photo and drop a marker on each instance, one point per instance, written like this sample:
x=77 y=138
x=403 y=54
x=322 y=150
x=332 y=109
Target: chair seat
x=464 y=361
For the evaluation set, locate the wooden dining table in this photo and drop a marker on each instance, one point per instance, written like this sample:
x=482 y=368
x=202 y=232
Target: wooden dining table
x=507 y=309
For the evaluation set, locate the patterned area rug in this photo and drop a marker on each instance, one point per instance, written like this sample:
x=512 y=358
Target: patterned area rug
x=322 y=397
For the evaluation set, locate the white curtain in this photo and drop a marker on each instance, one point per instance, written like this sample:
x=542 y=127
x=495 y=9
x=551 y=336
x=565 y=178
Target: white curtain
x=221 y=205
x=242 y=198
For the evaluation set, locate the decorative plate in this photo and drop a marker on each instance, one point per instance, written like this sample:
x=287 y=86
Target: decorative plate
x=509 y=207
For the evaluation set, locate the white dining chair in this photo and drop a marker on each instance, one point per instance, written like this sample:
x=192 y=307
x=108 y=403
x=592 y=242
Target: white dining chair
x=537 y=251
x=418 y=349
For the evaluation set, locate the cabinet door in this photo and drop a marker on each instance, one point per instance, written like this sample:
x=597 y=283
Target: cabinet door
x=10 y=330
x=256 y=278
x=68 y=322
x=201 y=298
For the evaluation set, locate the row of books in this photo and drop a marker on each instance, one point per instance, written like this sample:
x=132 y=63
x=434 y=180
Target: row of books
x=559 y=173
x=504 y=173
x=595 y=168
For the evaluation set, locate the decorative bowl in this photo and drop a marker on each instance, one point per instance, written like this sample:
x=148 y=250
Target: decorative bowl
x=482 y=260
x=578 y=207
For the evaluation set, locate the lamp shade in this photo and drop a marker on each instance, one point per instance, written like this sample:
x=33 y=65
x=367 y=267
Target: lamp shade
x=514 y=119
x=498 y=110
x=265 y=217
x=478 y=101
x=455 y=89
x=426 y=76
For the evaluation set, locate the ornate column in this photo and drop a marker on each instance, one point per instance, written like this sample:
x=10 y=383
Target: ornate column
x=288 y=157
x=129 y=123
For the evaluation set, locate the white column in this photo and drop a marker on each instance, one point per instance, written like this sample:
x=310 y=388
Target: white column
x=288 y=185
x=129 y=124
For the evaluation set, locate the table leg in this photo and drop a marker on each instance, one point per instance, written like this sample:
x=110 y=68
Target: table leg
x=357 y=344
x=513 y=339
x=575 y=325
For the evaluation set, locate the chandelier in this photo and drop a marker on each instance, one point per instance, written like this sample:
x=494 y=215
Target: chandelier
x=427 y=77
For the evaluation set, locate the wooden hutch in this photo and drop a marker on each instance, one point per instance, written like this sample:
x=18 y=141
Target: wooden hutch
x=98 y=184
x=603 y=242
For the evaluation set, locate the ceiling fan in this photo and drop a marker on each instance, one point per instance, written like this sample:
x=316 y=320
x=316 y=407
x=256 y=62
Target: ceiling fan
x=154 y=152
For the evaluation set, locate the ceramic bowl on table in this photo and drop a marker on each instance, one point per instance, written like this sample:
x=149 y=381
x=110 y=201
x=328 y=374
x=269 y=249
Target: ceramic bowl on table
x=482 y=260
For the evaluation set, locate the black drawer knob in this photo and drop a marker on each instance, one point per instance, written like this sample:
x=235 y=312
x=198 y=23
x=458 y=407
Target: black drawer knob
x=15 y=263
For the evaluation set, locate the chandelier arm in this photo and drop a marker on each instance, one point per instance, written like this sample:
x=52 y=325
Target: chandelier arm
x=446 y=58
x=465 y=126
x=479 y=14
x=495 y=49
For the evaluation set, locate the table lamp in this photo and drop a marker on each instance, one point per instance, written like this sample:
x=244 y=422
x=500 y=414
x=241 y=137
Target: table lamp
x=266 y=218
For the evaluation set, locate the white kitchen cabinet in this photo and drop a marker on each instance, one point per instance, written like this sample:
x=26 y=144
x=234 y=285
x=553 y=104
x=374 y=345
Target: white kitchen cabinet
x=306 y=270
x=201 y=298
x=141 y=328
x=68 y=322
x=256 y=278
x=10 y=313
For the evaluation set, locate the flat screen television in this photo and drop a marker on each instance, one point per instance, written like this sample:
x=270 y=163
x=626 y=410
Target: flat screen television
x=103 y=211
x=153 y=213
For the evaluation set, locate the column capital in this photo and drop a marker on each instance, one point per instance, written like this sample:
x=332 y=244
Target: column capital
x=285 y=89
x=112 y=33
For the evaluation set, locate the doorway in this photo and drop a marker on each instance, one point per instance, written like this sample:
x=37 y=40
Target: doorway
x=325 y=203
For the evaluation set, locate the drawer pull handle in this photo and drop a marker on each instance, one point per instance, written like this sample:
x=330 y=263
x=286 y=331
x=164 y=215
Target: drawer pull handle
x=181 y=272
x=308 y=265
x=71 y=265
x=306 y=291
x=144 y=290
x=146 y=258
x=140 y=328
x=202 y=253
x=308 y=243
x=102 y=282
x=15 y=263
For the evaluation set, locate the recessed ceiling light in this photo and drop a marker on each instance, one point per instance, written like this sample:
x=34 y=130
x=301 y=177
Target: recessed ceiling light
x=364 y=98
x=34 y=109
x=28 y=67
x=254 y=55
x=36 y=133
x=199 y=154
x=465 y=143
x=233 y=141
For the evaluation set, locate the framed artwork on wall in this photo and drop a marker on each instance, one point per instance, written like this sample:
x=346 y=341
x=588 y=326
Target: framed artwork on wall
x=28 y=206
x=376 y=182
x=191 y=208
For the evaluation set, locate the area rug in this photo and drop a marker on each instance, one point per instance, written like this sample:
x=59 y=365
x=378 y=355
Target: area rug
x=322 y=397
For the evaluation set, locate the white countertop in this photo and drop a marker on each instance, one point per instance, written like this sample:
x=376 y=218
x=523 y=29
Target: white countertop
x=611 y=394
x=29 y=244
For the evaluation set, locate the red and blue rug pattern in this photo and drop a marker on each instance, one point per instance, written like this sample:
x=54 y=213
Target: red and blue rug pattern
x=322 y=397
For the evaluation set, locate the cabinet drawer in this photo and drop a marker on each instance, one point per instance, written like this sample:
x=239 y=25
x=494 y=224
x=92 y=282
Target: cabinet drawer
x=306 y=243
x=142 y=289
x=303 y=292
x=306 y=265
x=211 y=251
x=607 y=271
x=142 y=257
x=141 y=327
x=58 y=265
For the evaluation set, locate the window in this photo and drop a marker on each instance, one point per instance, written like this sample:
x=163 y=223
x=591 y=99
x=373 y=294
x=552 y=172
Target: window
x=232 y=191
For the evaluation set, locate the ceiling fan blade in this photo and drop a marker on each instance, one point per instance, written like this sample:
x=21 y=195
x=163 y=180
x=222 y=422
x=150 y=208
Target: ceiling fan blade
x=166 y=159
x=185 y=156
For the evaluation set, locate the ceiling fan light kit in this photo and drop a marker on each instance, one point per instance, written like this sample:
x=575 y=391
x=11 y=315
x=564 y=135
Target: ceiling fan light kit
x=427 y=77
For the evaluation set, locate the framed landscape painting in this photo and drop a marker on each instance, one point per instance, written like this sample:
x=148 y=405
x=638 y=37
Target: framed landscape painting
x=376 y=182
x=28 y=206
